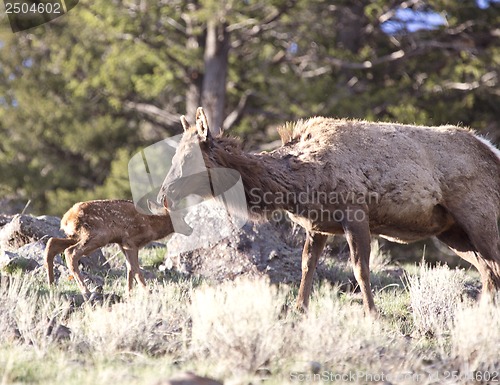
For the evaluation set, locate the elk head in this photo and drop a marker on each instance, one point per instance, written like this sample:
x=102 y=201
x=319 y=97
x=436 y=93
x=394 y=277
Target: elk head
x=189 y=173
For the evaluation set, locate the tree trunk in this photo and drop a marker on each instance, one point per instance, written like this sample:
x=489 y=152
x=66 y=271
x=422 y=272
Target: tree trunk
x=350 y=32
x=214 y=79
x=193 y=91
x=193 y=95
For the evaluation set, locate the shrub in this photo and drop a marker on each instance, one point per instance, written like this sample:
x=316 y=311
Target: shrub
x=475 y=340
x=237 y=324
x=152 y=324
x=435 y=294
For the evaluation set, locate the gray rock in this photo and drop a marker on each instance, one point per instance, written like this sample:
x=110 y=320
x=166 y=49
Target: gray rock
x=23 y=229
x=4 y=219
x=314 y=367
x=94 y=261
x=57 y=332
x=50 y=220
x=6 y=257
x=35 y=250
x=10 y=261
x=272 y=249
x=27 y=236
x=189 y=379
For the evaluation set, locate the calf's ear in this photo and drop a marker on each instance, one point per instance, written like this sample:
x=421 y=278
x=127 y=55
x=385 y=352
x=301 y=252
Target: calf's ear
x=155 y=208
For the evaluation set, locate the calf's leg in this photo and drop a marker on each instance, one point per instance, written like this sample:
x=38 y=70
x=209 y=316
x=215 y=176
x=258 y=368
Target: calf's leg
x=73 y=255
x=133 y=268
x=54 y=246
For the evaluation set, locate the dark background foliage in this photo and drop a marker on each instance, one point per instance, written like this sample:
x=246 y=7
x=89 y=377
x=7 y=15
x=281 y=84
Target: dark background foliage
x=80 y=95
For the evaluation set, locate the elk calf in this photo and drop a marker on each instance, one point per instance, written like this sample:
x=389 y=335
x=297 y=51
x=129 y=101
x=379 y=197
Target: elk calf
x=94 y=224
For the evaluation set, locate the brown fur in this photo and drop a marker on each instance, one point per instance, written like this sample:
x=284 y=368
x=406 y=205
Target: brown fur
x=94 y=224
x=404 y=182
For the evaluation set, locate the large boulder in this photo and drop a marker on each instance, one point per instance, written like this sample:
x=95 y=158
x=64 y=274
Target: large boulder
x=34 y=251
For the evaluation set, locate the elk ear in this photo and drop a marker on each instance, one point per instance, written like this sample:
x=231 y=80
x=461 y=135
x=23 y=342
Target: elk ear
x=202 y=125
x=155 y=208
x=185 y=123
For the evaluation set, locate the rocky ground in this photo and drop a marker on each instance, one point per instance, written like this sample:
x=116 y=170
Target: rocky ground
x=23 y=239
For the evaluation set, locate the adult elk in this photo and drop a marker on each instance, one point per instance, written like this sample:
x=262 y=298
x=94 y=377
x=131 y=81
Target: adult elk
x=402 y=182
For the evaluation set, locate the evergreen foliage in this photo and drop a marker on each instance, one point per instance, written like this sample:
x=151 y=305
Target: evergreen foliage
x=80 y=94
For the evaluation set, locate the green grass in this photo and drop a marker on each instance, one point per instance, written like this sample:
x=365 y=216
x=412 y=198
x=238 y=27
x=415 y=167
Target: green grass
x=247 y=331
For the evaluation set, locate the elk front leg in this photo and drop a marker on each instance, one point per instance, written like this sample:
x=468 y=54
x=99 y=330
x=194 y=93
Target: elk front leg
x=133 y=268
x=313 y=247
x=357 y=233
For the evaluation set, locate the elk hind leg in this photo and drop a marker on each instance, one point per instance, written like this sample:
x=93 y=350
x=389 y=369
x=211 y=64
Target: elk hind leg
x=483 y=258
x=73 y=255
x=54 y=246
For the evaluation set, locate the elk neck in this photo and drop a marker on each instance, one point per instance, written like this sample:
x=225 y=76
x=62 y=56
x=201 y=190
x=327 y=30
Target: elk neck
x=268 y=179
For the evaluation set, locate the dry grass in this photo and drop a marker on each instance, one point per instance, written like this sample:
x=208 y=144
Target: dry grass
x=379 y=258
x=435 y=295
x=145 y=324
x=475 y=339
x=246 y=331
x=238 y=326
